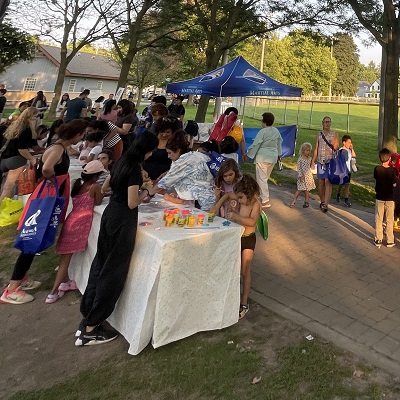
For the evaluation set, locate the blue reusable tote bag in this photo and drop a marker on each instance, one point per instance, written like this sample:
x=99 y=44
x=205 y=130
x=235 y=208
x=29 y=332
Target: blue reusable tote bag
x=39 y=229
x=216 y=160
x=337 y=170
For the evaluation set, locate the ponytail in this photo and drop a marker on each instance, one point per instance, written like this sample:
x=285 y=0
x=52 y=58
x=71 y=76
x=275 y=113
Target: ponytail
x=76 y=187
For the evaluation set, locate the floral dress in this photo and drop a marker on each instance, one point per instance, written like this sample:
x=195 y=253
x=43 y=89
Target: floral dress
x=304 y=171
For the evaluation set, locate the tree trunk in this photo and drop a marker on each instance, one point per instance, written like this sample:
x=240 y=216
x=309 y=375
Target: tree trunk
x=202 y=109
x=125 y=67
x=390 y=118
x=382 y=99
x=58 y=86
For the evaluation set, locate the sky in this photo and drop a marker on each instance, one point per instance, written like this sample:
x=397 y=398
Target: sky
x=367 y=54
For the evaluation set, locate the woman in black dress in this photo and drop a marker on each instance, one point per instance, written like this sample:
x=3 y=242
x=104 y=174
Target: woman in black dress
x=115 y=243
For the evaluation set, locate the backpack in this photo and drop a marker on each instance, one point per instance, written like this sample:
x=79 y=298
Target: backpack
x=236 y=132
x=216 y=160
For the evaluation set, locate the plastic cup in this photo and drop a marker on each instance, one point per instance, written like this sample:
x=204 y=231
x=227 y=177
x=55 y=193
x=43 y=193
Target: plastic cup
x=200 y=219
x=166 y=213
x=192 y=221
x=175 y=218
x=211 y=217
x=168 y=220
x=181 y=221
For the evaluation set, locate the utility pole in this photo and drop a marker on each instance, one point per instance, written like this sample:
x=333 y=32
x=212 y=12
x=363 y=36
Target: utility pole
x=330 y=79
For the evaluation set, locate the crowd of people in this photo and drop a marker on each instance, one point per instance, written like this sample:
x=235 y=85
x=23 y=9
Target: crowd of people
x=119 y=152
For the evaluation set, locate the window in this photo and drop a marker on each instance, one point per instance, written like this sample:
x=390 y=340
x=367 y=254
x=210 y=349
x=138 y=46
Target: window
x=30 y=84
x=72 y=84
x=100 y=85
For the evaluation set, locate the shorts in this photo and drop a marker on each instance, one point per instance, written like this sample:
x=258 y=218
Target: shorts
x=322 y=171
x=11 y=163
x=248 y=242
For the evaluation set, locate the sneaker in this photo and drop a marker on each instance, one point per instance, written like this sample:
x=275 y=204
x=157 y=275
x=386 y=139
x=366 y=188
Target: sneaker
x=66 y=286
x=347 y=202
x=80 y=329
x=243 y=310
x=16 y=296
x=390 y=244
x=323 y=207
x=52 y=298
x=29 y=284
x=99 y=335
x=338 y=198
x=378 y=243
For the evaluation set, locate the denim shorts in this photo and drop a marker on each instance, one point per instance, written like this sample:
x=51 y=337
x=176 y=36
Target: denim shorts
x=322 y=171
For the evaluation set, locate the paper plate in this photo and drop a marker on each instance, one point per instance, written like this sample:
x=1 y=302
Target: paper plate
x=262 y=225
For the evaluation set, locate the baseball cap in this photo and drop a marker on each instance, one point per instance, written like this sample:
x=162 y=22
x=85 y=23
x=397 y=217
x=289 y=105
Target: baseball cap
x=93 y=167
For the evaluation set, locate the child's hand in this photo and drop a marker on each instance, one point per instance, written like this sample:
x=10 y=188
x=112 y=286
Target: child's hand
x=231 y=215
x=213 y=210
x=217 y=191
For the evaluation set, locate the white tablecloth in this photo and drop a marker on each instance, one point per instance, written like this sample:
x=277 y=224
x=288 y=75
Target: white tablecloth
x=181 y=281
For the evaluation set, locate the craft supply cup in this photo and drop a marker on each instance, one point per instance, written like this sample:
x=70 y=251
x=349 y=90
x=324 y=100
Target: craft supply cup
x=181 y=221
x=175 y=218
x=166 y=213
x=192 y=221
x=168 y=220
x=211 y=217
x=200 y=219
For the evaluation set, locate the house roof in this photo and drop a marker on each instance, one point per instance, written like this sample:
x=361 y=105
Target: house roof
x=84 y=64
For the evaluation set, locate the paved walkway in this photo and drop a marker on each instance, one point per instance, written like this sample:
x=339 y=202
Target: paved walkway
x=323 y=272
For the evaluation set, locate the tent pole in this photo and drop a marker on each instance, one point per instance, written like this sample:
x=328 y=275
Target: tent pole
x=243 y=109
x=298 y=113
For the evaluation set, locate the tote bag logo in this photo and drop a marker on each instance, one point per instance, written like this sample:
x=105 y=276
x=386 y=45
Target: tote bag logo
x=32 y=219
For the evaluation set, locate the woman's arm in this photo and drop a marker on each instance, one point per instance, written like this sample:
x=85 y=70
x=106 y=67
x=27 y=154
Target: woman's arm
x=135 y=197
x=50 y=158
x=124 y=130
x=243 y=150
x=335 y=143
x=315 y=155
x=26 y=154
x=254 y=147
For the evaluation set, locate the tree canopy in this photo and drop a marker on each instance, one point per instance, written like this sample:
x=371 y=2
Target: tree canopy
x=345 y=52
x=15 y=46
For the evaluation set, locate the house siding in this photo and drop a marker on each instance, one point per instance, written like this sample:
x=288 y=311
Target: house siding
x=45 y=72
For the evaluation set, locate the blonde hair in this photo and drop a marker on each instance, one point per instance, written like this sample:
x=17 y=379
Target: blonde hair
x=304 y=146
x=25 y=120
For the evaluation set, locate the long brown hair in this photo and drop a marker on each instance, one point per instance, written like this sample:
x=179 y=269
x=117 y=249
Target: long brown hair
x=27 y=119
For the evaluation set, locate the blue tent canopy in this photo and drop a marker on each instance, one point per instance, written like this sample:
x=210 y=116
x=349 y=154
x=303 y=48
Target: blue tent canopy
x=238 y=78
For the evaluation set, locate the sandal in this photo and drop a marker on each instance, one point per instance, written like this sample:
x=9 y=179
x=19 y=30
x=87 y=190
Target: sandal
x=306 y=204
x=292 y=204
x=323 y=207
x=52 y=298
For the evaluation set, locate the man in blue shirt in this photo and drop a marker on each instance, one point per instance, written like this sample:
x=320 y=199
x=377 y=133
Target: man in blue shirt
x=75 y=108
